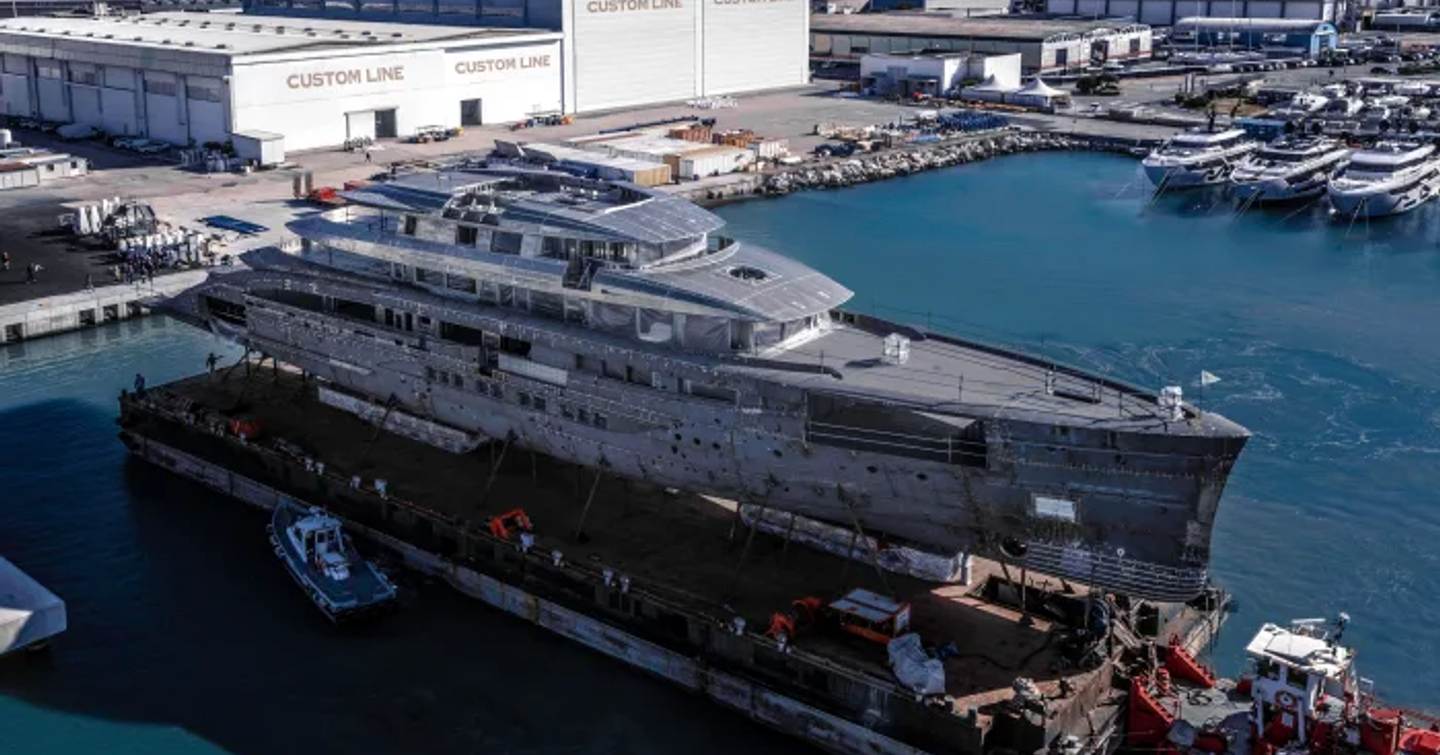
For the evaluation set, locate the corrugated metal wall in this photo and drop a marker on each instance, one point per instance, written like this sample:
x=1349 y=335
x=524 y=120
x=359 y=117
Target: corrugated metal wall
x=632 y=52
x=750 y=44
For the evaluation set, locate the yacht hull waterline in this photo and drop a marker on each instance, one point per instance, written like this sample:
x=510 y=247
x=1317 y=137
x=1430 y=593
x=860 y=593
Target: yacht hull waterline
x=947 y=444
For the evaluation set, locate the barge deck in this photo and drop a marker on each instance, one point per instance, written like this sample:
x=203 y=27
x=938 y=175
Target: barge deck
x=666 y=581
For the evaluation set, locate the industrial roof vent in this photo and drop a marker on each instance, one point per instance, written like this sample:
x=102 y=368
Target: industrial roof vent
x=189 y=43
x=279 y=30
x=222 y=46
x=311 y=34
x=396 y=35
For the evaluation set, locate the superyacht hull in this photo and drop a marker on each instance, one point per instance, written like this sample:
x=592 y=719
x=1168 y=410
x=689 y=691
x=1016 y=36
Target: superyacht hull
x=1071 y=474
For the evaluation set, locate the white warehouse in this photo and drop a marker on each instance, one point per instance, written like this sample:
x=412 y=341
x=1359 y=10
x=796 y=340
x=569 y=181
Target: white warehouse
x=623 y=53
x=196 y=78
x=321 y=73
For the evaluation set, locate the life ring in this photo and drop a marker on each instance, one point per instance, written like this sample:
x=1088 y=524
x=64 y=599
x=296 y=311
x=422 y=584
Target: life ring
x=1287 y=701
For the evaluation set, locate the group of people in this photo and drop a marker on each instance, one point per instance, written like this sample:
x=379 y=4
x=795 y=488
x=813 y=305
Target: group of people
x=32 y=269
x=140 y=265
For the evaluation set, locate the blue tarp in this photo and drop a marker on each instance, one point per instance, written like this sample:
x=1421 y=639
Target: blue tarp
x=234 y=224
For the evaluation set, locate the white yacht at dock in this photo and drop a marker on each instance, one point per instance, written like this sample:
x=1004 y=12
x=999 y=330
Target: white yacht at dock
x=1387 y=179
x=1197 y=158
x=1288 y=169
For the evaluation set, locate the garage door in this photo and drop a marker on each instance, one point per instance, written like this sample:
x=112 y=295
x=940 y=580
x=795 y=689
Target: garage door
x=360 y=125
x=86 y=101
x=118 y=112
x=16 y=92
x=162 y=109
x=52 y=100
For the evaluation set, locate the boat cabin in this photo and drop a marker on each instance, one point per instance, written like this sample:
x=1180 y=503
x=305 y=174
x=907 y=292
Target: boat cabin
x=1207 y=140
x=1297 y=668
x=320 y=541
x=1390 y=157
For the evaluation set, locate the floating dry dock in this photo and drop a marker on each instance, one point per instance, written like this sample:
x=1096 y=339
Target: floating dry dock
x=669 y=582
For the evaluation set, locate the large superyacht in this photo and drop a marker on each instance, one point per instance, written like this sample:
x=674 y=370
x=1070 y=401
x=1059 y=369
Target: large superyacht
x=618 y=328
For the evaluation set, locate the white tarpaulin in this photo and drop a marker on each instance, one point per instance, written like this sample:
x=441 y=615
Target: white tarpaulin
x=29 y=613
x=914 y=667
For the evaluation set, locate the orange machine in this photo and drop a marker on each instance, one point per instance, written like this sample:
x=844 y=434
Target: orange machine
x=510 y=522
x=865 y=614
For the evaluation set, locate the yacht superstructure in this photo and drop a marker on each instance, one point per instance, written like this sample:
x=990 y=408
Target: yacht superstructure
x=1387 y=179
x=1197 y=158
x=617 y=328
x=1288 y=169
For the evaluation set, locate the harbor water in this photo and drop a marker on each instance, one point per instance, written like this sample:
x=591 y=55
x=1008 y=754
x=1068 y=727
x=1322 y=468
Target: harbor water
x=186 y=636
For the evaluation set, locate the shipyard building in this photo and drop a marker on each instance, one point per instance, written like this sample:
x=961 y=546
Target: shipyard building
x=320 y=73
x=1045 y=45
x=1170 y=12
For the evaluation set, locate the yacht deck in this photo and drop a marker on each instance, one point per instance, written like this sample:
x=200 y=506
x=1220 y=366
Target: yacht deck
x=947 y=375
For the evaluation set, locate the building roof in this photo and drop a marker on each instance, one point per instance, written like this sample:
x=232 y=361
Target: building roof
x=1028 y=29
x=1255 y=24
x=238 y=35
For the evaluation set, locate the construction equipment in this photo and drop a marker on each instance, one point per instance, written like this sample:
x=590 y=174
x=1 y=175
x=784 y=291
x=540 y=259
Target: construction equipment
x=799 y=618
x=327 y=196
x=862 y=613
x=515 y=521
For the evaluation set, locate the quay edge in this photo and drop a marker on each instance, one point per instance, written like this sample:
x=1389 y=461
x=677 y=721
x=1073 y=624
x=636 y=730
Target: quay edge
x=834 y=173
x=671 y=630
x=62 y=313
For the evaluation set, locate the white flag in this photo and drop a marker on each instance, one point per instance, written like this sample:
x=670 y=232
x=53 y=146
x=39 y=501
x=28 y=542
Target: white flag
x=1208 y=378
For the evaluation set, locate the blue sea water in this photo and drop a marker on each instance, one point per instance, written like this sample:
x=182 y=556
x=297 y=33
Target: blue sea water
x=1326 y=338
x=187 y=637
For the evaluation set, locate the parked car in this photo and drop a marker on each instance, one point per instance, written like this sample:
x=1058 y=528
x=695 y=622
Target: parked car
x=1382 y=71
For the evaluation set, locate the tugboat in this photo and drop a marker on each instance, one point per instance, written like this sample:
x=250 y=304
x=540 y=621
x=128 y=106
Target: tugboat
x=316 y=552
x=1302 y=695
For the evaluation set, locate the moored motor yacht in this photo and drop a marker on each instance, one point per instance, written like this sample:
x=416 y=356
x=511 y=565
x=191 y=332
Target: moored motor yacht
x=1288 y=169
x=1197 y=158
x=1387 y=179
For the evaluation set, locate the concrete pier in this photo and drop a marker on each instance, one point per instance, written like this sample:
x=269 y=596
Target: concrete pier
x=59 y=313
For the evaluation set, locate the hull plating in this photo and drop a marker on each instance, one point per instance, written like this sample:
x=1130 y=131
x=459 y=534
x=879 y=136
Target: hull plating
x=1128 y=510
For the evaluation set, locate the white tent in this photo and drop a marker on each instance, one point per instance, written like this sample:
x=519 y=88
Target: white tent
x=989 y=91
x=1038 y=94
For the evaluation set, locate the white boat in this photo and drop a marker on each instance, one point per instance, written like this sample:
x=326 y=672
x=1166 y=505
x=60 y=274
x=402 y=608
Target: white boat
x=1387 y=179
x=1288 y=169
x=318 y=554
x=1197 y=158
x=30 y=615
x=1344 y=106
